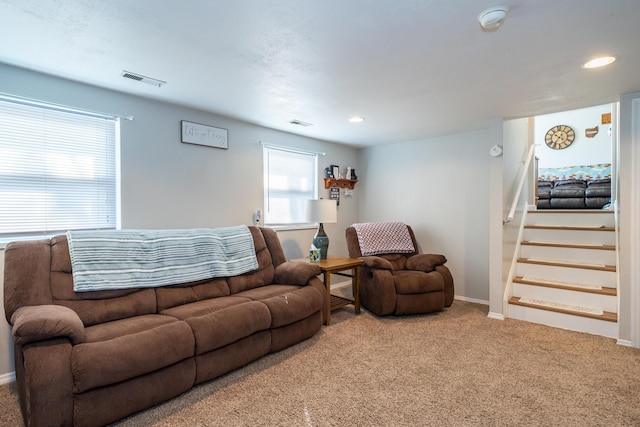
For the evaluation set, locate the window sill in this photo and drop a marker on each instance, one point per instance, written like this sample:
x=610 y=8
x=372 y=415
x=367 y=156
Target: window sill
x=292 y=227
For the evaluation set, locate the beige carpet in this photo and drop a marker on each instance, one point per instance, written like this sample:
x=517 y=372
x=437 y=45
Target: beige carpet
x=456 y=368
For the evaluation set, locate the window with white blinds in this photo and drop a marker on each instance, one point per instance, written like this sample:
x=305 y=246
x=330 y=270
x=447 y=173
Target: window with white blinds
x=57 y=169
x=290 y=179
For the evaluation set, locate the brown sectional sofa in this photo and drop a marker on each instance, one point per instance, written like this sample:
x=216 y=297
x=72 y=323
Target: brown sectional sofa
x=91 y=358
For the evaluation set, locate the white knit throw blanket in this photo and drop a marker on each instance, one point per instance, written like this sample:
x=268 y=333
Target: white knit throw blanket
x=122 y=259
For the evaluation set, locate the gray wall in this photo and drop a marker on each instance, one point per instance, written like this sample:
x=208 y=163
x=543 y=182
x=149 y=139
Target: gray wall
x=168 y=184
x=440 y=187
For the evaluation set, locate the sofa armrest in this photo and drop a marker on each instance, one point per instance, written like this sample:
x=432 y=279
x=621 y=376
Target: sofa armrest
x=376 y=262
x=296 y=272
x=43 y=322
x=425 y=262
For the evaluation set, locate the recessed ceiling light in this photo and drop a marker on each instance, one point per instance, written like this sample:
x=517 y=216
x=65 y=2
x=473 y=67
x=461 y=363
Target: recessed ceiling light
x=356 y=119
x=599 y=62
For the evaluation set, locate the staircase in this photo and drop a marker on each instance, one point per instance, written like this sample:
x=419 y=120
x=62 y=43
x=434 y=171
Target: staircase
x=566 y=272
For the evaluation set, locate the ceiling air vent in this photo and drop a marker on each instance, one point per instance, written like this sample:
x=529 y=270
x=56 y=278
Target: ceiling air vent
x=141 y=78
x=300 y=123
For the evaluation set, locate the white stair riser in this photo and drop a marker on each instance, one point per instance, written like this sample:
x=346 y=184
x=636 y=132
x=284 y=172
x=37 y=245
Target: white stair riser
x=566 y=274
x=590 y=256
x=577 y=237
x=562 y=296
x=570 y=219
x=564 y=321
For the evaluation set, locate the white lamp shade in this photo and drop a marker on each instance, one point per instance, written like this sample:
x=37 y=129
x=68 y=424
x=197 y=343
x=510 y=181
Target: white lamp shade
x=322 y=210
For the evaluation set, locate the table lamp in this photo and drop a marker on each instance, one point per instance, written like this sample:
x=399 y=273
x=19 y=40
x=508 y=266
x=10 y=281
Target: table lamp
x=321 y=211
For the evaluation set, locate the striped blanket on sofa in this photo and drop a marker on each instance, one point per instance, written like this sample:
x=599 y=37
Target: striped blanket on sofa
x=122 y=259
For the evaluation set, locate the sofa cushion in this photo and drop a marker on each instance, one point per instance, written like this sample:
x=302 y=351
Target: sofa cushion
x=544 y=193
x=97 y=306
x=596 y=202
x=140 y=349
x=567 y=203
x=398 y=261
x=293 y=306
x=576 y=183
x=228 y=325
x=602 y=181
x=598 y=191
x=417 y=282
x=171 y=296
x=118 y=328
x=544 y=204
x=564 y=192
x=244 y=282
x=265 y=272
x=62 y=279
x=203 y=307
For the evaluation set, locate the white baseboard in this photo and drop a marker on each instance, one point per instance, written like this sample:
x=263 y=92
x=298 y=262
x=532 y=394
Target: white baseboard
x=477 y=301
x=458 y=297
x=341 y=284
x=625 y=343
x=7 y=378
x=491 y=315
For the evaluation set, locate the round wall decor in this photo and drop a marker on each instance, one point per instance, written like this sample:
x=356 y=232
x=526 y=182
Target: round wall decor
x=559 y=137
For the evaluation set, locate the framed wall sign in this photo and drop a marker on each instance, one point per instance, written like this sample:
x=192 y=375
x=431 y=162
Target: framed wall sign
x=199 y=134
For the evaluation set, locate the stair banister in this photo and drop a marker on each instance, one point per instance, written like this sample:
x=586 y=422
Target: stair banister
x=523 y=175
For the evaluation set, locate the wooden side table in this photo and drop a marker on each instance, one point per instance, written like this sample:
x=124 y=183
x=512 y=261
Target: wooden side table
x=335 y=265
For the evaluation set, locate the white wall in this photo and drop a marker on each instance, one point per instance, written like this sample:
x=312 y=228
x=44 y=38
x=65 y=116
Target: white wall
x=628 y=211
x=440 y=187
x=583 y=151
x=505 y=176
x=167 y=184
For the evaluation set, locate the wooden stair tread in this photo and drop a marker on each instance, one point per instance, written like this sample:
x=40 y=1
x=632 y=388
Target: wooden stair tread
x=604 y=291
x=607 y=316
x=569 y=245
x=568 y=227
x=568 y=264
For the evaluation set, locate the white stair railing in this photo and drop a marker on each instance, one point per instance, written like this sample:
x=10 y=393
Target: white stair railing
x=521 y=181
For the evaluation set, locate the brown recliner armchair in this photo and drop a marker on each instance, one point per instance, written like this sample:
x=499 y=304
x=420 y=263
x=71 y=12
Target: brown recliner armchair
x=399 y=283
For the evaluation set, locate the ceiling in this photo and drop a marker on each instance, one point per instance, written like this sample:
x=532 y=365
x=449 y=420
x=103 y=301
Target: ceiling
x=413 y=68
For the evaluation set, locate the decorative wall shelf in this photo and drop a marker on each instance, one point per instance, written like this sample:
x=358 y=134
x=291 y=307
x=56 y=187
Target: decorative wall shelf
x=340 y=183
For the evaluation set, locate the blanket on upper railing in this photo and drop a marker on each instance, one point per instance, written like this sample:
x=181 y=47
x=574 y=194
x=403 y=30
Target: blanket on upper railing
x=583 y=172
x=122 y=259
x=377 y=238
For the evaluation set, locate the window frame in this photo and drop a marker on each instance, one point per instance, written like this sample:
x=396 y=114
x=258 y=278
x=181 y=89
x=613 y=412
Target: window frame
x=51 y=181
x=268 y=149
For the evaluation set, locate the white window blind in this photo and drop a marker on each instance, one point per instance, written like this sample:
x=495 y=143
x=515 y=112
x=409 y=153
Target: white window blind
x=290 y=179
x=57 y=169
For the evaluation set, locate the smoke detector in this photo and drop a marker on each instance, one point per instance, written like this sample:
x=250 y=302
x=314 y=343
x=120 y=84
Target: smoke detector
x=492 y=18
